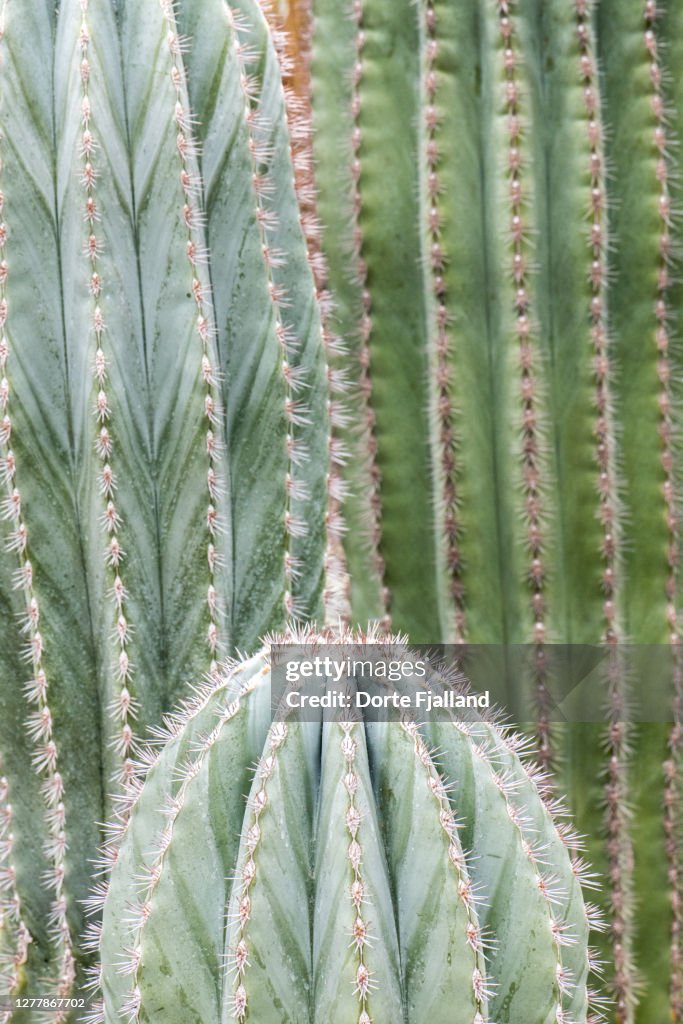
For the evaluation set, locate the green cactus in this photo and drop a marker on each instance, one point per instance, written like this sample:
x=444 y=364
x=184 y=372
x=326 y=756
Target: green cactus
x=167 y=493
x=513 y=279
x=348 y=892
x=180 y=425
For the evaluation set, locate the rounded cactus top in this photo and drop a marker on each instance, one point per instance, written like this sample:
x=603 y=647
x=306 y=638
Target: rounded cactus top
x=300 y=871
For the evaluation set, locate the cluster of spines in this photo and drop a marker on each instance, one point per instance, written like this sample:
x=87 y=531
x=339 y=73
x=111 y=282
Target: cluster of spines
x=246 y=879
x=444 y=410
x=14 y=935
x=363 y=980
x=618 y=839
x=368 y=423
x=44 y=755
x=663 y=315
x=294 y=377
x=336 y=596
x=197 y=257
x=466 y=889
x=123 y=707
x=531 y=455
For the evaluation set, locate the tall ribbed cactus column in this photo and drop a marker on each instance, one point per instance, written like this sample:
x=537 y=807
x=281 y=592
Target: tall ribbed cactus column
x=377 y=283
x=641 y=151
x=164 y=428
x=545 y=252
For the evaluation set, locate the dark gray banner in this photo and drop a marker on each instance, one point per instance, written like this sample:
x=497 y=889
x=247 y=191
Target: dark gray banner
x=381 y=682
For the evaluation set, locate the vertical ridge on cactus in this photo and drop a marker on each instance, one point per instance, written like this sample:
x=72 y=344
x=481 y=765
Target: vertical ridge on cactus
x=447 y=454
x=669 y=27
x=123 y=705
x=297 y=80
x=43 y=750
x=643 y=219
x=167 y=190
x=360 y=272
x=299 y=329
x=330 y=44
x=293 y=380
x=371 y=107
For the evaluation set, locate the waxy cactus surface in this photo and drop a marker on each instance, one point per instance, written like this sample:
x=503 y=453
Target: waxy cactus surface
x=475 y=362
x=164 y=428
x=360 y=872
x=508 y=280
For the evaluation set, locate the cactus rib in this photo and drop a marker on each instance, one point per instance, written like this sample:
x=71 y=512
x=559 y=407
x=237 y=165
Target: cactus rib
x=124 y=707
x=197 y=257
x=296 y=78
x=365 y=324
x=293 y=381
x=619 y=850
x=39 y=723
x=292 y=293
x=671 y=498
x=363 y=979
x=444 y=412
x=247 y=872
x=208 y=715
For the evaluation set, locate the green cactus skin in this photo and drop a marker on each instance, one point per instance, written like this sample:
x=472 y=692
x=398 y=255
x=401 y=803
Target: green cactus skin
x=342 y=892
x=553 y=372
x=393 y=395
x=642 y=164
x=164 y=433
x=672 y=25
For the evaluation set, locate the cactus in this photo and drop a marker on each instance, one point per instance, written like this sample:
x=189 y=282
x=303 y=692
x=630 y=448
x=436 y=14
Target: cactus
x=348 y=892
x=175 y=448
x=164 y=440
x=511 y=227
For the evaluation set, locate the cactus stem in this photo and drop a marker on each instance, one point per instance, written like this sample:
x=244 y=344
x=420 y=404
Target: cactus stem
x=238 y=961
x=368 y=418
x=531 y=453
x=336 y=594
x=445 y=413
x=124 y=707
x=294 y=410
x=206 y=331
x=45 y=757
x=14 y=952
x=619 y=843
x=662 y=140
